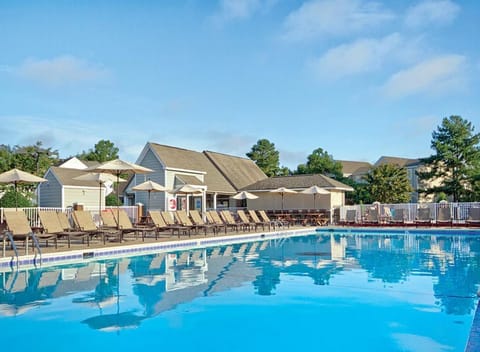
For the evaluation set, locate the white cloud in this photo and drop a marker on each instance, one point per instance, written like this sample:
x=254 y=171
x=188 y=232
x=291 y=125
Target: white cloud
x=59 y=71
x=361 y=56
x=231 y=10
x=437 y=75
x=62 y=136
x=431 y=12
x=70 y=136
x=319 y=18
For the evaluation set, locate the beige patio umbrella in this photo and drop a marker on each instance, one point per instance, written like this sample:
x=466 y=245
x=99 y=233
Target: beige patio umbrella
x=149 y=186
x=244 y=195
x=282 y=191
x=117 y=167
x=315 y=190
x=17 y=176
x=187 y=190
x=100 y=178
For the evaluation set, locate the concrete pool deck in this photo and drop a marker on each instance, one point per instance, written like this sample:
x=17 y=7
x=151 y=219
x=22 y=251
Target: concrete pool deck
x=79 y=252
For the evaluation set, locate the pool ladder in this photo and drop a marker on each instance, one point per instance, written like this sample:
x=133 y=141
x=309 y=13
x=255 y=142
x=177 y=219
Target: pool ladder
x=35 y=243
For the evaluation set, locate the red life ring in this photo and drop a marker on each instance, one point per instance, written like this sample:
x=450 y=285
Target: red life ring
x=172 y=204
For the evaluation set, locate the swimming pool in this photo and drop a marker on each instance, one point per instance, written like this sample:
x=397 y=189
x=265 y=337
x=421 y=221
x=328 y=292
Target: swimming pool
x=327 y=291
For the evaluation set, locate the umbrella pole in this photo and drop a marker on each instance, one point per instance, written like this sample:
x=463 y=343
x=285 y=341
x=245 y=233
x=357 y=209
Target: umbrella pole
x=118 y=200
x=100 y=199
x=148 y=200
x=16 y=196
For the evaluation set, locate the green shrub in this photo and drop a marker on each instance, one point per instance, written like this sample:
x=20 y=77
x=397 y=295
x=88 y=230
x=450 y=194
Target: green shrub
x=8 y=200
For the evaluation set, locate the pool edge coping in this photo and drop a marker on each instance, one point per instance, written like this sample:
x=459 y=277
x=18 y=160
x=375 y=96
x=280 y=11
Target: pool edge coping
x=30 y=261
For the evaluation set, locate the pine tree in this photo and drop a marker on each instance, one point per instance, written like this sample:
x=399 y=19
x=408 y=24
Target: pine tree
x=266 y=157
x=456 y=162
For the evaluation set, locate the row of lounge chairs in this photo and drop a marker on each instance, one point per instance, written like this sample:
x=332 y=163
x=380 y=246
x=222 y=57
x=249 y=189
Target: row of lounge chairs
x=399 y=217
x=115 y=225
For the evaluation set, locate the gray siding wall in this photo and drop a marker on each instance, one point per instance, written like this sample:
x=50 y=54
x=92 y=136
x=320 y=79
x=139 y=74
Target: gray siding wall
x=157 y=199
x=50 y=192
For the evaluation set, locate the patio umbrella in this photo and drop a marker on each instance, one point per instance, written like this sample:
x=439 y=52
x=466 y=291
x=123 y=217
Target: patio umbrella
x=100 y=178
x=244 y=195
x=150 y=187
x=282 y=191
x=16 y=176
x=315 y=190
x=117 y=167
x=187 y=190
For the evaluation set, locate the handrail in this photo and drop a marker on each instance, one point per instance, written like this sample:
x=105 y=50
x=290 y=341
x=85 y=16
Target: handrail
x=37 y=246
x=14 y=246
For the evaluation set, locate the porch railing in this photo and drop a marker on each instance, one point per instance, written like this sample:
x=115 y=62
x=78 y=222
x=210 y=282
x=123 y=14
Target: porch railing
x=459 y=211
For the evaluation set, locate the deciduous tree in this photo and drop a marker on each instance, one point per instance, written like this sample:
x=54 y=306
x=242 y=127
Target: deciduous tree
x=103 y=151
x=320 y=162
x=34 y=158
x=389 y=183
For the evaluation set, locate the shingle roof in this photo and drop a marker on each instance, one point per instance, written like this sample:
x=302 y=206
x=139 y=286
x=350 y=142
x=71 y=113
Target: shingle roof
x=184 y=159
x=67 y=177
x=297 y=182
x=392 y=160
x=354 y=167
x=189 y=180
x=239 y=171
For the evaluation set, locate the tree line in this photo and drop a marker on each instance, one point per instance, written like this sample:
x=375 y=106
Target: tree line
x=454 y=164
x=451 y=172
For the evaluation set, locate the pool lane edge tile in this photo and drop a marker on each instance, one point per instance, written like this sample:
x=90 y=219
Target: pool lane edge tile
x=473 y=344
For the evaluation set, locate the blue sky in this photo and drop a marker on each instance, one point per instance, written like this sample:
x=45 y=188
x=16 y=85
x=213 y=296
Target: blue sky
x=357 y=78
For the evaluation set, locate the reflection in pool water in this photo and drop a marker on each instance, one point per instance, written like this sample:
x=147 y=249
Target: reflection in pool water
x=329 y=292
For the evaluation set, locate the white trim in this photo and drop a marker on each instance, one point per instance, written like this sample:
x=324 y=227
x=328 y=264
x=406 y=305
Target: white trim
x=63 y=196
x=186 y=170
x=83 y=187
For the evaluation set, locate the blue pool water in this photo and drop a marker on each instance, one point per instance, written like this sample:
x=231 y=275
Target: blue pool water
x=322 y=292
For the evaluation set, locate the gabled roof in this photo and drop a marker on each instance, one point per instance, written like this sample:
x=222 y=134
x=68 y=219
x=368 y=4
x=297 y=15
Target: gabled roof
x=76 y=163
x=296 y=182
x=66 y=177
x=392 y=160
x=189 y=160
x=355 y=167
x=240 y=172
